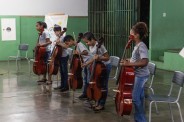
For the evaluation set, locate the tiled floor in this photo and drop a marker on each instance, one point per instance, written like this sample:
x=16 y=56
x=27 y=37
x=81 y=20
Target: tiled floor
x=22 y=100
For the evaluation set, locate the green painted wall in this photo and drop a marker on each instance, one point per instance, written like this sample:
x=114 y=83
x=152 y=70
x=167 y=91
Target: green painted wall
x=166 y=32
x=29 y=35
x=26 y=33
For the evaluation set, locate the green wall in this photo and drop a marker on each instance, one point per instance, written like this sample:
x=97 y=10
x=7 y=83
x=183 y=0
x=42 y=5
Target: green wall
x=26 y=33
x=29 y=35
x=166 y=32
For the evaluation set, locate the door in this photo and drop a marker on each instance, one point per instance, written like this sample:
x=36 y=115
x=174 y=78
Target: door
x=113 y=20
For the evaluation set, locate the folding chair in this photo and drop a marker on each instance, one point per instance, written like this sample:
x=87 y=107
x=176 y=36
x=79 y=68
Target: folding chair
x=21 y=48
x=177 y=80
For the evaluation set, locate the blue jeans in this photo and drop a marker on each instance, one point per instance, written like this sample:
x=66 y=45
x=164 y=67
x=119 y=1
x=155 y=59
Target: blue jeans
x=138 y=98
x=64 y=71
x=102 y=100
x=47 y=56
x=86 y=79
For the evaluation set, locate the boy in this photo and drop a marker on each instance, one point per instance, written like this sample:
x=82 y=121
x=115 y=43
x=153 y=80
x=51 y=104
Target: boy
x=63 y=60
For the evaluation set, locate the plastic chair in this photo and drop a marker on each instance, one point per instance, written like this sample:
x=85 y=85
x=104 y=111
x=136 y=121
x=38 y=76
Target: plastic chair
x=177 y=80
x=115 y=63
x=21 y=48
x=152 y=70
x=70 y=51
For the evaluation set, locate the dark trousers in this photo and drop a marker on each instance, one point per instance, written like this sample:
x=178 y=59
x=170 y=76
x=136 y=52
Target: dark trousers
x=64 y=71
x=102 y=100
x=86 y=79
x=47 y=56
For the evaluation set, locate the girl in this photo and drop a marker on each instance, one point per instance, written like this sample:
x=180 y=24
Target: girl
x=103 y=56
x=139 y=60
x=44 y=41
x=84 y=52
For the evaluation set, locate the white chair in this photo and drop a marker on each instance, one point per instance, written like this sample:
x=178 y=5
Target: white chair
x=21 y=48
x=177 y=80
x=31 y=60
x=152 y=70
x=115 y=63
x=70 y=51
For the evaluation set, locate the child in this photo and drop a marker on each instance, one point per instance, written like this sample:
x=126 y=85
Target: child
x=103 y=56
x=44 y=41
x=139 y=60
x=63 y=61
x=83 y=51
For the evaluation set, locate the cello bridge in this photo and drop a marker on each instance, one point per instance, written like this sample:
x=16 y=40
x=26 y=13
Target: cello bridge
x=114 y=90
x=128 y=101
x=92 y=83
x=70 y=74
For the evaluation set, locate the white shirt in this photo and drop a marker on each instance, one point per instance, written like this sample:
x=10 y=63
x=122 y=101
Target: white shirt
x=101 y=51
x=64 y=51
x=81 y=48
x=140 y=52
x=42 y=39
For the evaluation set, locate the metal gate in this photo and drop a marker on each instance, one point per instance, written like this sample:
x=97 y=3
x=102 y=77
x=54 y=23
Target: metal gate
x=113 y=20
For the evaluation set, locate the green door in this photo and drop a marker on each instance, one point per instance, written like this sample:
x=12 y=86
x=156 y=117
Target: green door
x=112 y=19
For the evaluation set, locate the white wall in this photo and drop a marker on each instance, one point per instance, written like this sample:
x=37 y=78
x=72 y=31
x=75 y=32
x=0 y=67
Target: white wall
x=42 y=7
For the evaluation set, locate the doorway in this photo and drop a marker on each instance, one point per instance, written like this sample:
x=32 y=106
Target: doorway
x=144 y=15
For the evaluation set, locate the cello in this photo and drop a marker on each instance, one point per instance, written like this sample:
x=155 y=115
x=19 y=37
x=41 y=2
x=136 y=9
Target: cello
x=54 y=59
x=123 y=99
x=76 y=79
x=39 y=66
x=98 y=72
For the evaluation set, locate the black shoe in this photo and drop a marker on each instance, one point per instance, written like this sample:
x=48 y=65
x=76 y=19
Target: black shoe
x=49 y=82
x=64 y=89
x=83 y=96
x=58 y=88
x=99 y=108
x=40 y=82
